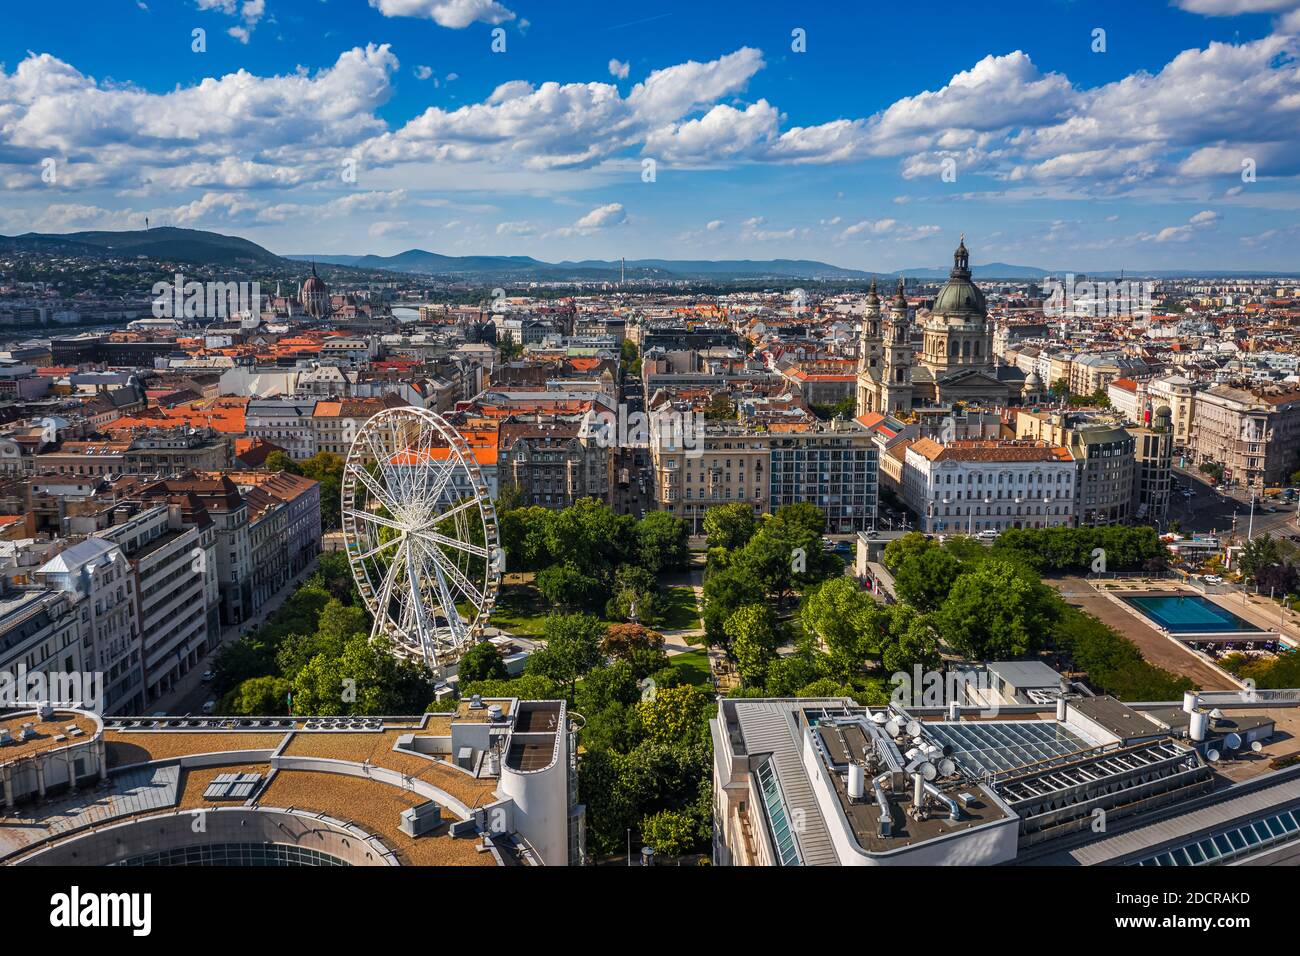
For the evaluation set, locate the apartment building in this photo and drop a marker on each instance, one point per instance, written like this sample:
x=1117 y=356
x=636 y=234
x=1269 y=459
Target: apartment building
x=100 y=582
x=176 y=585
x=39 y=632
x=834 y=465
x=216 y=499
x=283 y=422
x=1253 y=434
x=1179 y=394
x=728 y=464
x=1104 y=453
x=973 y=485
x=554 y=462
x=335 y=424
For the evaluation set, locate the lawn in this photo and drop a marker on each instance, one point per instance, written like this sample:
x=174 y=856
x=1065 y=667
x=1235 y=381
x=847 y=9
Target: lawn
x=680 y=613
x=521 y=610
x=693 y=666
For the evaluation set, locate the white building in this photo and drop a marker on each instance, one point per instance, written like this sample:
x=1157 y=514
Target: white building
x=970 y=486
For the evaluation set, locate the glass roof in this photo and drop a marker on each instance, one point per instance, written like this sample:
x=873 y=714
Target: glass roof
x=992 y=746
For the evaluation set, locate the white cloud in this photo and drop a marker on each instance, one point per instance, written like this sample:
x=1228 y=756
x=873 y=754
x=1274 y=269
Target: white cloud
x=714 y=225
x=249 y=11
x=619 y=70
x=610 y=214
x=453 y=14
x=517 y=228
x=423 y=72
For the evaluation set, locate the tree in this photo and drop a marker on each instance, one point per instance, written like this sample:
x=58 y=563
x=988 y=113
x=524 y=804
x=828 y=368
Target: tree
x=327 y=469
x=258 y=697
x=802 y=514
x=675 y=714
x=509 y=497
x=572 y=649
x=635 y=645
x=724 y=591
x=910 y=641
x=720 y=408
x=847 y=621
x=366 y=679
x=900 y=549
x=995 y=612
x=523 y=535
x=670 y=832
x=1257 y=554
x=661 y=542
x=481 y=662
x=1212 y=468
x=566 y=586
x=591 y=537
x=729 y=526
x=754 y=636
x=635 y=588
x=924 y=579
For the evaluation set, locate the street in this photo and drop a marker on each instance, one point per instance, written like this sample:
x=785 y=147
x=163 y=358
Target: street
x=1210 y=510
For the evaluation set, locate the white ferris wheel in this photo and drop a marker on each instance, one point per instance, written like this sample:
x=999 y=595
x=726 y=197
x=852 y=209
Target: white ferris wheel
x=421 y=534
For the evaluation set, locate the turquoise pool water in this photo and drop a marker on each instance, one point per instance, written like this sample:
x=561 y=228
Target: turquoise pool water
x=1193 y=614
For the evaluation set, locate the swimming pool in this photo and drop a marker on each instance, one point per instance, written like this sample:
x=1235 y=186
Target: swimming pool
x=1189 y=614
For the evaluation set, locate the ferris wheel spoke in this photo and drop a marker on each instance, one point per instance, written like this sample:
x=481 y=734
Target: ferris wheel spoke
x=378 y=490
x=474 y=549
x=383 y=546
x=386 y=589
x=376 y=519
x=448 y=568
x=465 y=505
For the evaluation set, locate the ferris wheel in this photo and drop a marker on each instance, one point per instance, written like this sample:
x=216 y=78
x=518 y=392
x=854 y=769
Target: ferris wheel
x=421 y=534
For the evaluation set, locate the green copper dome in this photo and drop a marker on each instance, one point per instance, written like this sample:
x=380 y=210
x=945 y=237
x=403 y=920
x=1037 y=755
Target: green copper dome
x=959 y=294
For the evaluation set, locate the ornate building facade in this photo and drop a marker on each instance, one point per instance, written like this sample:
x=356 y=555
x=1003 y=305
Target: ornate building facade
x=956 y=362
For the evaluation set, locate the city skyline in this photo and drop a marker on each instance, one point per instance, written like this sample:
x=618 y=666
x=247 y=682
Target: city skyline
x=355 y=128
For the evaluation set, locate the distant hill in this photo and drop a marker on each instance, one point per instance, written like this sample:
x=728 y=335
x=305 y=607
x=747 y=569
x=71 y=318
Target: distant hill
x=165 y=242
x=990 y=270
x=432 y=263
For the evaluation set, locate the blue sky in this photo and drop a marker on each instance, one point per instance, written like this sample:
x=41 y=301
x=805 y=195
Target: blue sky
x=333 y=126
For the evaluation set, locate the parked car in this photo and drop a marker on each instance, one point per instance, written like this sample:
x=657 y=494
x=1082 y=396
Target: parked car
x=209 y=706
x=1213 y=579
x=988 y=534
x=206 y=676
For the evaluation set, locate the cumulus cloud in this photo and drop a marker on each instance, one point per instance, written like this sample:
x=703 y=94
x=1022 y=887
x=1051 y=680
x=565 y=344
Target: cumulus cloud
x=1183 y=233
x=619 y=70
x=610 y=214
x=453 y=14
x=235 y=131
x=249 y=11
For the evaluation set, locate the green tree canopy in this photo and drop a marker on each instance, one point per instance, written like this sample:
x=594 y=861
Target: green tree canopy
x=481 y=662
x=996 y=611
x=754 y=635
x=729 y=526
x=572 y=649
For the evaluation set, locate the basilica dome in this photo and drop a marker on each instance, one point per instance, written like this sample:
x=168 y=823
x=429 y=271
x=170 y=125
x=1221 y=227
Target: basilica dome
x=959 y=294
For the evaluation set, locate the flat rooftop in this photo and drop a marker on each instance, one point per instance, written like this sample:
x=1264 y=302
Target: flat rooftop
x=49 y=734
